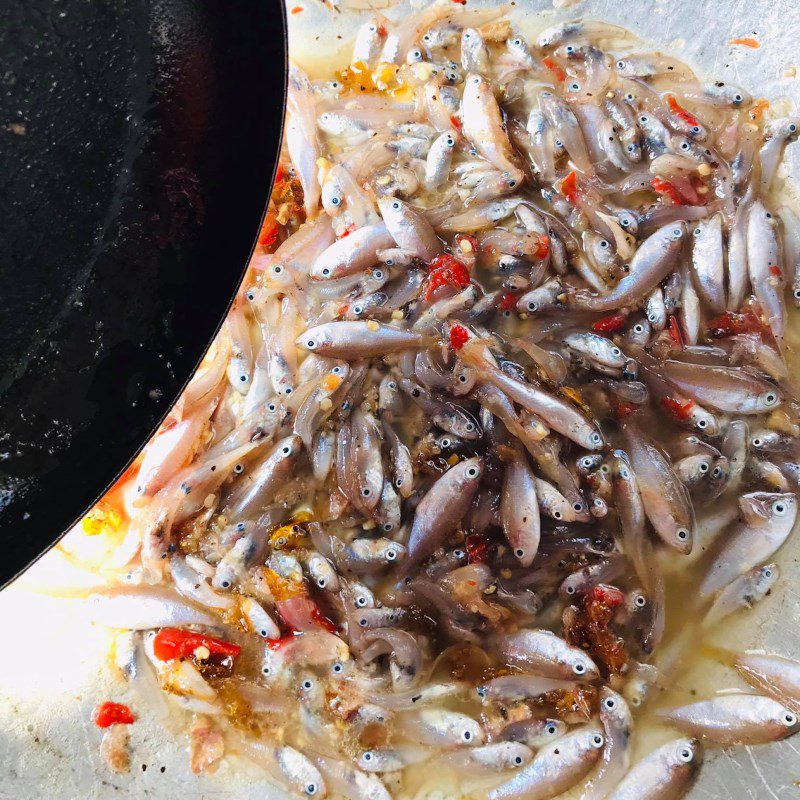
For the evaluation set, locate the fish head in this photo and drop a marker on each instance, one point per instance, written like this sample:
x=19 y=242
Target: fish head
x=785 y=128
x=768 y=507
x=769 y=399
x=584 y=668
x=471 y=471
x=314 y=338
x=685 y=753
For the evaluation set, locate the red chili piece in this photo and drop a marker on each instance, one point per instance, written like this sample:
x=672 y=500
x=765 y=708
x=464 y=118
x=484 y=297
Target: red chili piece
x=668 y=189
x=681 y=411
x=681 y=112
x=732 y=324
x=477 y=548
x=608 y=595
x=554 y=68
x=507 y=302
x=569 y=187
x=173 y=643
x=459 y=336
x=446 y=271
x=611 y=323
x=109 y=714
x=675 y=330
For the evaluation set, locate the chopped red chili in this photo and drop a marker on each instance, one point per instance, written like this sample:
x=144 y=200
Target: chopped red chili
x=569 y=187
x=507 y=302
x=322 y=621
x=554 y=68
x=459 y=336
x=173 y=643
x=732 y=324
x=675 y=330
x=543 y=246
x=108 y=714
x=775 y=270
x=681 y=112
x=277 y=644
x=621 y=409
x=681 y=411
x=611 y=323
x=455 y=122
x=446 y=271
x=477 y=548
x=668 y=189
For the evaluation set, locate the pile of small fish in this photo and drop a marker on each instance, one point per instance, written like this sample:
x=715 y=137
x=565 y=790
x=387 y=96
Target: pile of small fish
x=508 y=367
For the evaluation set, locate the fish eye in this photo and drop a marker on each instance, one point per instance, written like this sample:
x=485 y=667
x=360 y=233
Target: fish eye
x=789 y=719
x=307 y=685
x=703 y=466
x=391 y=554
x=366 y=756
x=472 y=472
x=519 y=552
x=533 y=305
x=336 y=370
x=361 y=601
x=570 y=49
x=792 y=127
x=644 y=119
x=702 y=423
x=272 y=407
x=685 y=755
x=630 y=96
x=624 y=222
x=595 y=438
x=677 y=233
x=579 y=668
x=517 y=42
x=605 y=469
x=281 y=541
x=737 y=98
x=363 y=622
x=770 y=398
x=682 y=534
x=467 y=736
x=225 y=584
x=623 y=473
x=426 y=37
x=250 y=296
x=475 y=80
x=358 y=309
x=638 y=328
x=556 y=515
x=575 y=87
x=603 y=243
x=450 y=141
x=395 y=205
x=444 y=442
x=322 y=583
x=570 y=589
x=311 y=344
x=551 y=729
x=286 y=450
x=685 y=146
x=609 y=703
x=640 y=601
x=577 y=506
x=416 y=54
x=366 y=491
x=615 y=351
x=598 y=740
x=335 y=85
x=698 y=231
x=311 y=789
x=326 y=271
x=265 y=670
x=620 y=64
x=518 y=759
x=512 y=183
x=288 y=390
x=779 y=508
x=481 y=692
x=239 y=469
x=467 y=35
x=766 y=572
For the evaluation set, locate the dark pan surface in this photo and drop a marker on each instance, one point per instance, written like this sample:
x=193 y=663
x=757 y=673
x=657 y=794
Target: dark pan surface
x=137 y=146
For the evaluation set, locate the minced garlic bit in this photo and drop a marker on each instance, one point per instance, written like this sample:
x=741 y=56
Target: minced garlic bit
x=326 y=404
x=397 y=314
x=373 y=326
x=202 y=653
x=704 y=169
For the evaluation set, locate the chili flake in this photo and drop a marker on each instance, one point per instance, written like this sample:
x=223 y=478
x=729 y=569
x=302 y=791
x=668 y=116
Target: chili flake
x=108 y=714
